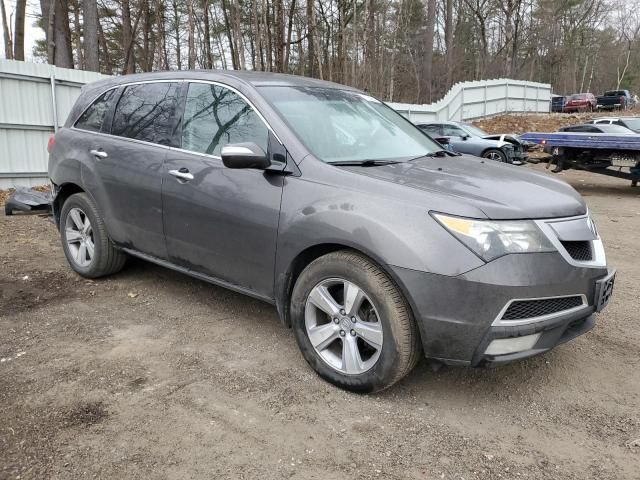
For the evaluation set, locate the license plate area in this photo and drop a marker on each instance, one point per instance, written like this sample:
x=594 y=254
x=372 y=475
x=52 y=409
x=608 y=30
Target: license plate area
x=604 y=290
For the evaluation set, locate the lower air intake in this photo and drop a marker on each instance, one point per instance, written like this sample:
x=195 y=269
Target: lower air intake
x=523 y=309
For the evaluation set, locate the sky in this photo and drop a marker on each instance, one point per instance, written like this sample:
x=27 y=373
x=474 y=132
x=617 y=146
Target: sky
x=31 y=33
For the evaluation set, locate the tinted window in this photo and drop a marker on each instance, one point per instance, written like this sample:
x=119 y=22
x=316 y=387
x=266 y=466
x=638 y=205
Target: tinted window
x=93 y=116
x=451 y=131
x=215 y=116
x=146 y=112
x=579 y=128
x=434 y=129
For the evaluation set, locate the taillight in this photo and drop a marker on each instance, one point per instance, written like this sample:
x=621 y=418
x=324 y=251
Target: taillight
x=51 y=143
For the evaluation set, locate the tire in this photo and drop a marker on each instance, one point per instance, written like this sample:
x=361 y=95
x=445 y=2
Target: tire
x=495 y=154
x=100 y=257
x=382 y=315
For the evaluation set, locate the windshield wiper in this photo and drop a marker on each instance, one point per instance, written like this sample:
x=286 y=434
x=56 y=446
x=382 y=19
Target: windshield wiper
x=437 y=153
x=364 y=163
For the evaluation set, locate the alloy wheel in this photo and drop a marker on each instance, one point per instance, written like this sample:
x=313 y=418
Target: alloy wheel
x=79 y=237
x=343 y=326
x=493 y=156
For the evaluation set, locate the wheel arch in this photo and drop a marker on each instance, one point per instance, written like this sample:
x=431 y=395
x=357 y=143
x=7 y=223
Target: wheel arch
x=287 y=280
x=63 y=192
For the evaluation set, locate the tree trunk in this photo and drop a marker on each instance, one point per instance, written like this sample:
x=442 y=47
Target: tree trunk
x=90 y=26
x=191 y=36
x=107 y=64
x=8 y=44
x=176 y=27
x=127 y=39
x=311 y=33
x=77 y=34
x=287 y=51
x=208 y=59
x=18 y=32
x=227 y=25
x=427 y=70
x=354 y=46
x=448 y=41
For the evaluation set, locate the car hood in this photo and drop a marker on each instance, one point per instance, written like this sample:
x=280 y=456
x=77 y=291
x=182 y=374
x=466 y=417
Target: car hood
x=500 y=191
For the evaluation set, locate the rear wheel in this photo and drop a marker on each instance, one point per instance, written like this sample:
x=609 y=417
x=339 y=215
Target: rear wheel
x=352 y=324
x=495 y=154
x=86 y=244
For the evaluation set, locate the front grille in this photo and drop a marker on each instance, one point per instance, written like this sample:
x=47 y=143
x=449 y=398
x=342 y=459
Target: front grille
x=580 y=251
x=522 y=309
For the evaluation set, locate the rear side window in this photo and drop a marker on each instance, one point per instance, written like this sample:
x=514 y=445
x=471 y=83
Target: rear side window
x=147 y=112
x=215 y=116
x=93 y=117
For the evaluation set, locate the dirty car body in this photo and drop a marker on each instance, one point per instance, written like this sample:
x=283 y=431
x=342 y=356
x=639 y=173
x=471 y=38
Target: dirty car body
x=492 y=262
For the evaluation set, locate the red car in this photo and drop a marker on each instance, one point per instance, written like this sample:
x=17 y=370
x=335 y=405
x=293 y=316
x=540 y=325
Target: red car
x=580 y=102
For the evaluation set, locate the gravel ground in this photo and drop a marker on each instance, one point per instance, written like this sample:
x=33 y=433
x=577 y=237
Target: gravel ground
x=150 y=374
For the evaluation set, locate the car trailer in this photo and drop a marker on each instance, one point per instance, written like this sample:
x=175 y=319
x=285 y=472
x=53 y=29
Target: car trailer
x=611 y=155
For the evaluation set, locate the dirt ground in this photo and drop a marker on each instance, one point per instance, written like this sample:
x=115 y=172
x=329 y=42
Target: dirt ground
x=153 y=375
x=519 y=124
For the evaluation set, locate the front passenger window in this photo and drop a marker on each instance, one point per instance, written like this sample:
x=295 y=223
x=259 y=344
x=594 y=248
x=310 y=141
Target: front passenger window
x=215 y=116
x=451 y=131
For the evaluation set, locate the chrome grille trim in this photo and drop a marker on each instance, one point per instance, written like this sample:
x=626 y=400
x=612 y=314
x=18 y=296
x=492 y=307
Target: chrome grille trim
x=501 y=322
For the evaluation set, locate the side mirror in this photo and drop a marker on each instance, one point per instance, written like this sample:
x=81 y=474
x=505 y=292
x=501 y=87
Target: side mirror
x=244 y=155
x=465 y=137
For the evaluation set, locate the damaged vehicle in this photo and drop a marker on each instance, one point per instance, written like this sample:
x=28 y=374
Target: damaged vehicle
x=466 y=138
x=376 y=245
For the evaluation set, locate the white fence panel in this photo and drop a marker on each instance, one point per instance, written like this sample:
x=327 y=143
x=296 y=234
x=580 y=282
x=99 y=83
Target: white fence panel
x=30 y=94
x=36 y=98
x=472 y=100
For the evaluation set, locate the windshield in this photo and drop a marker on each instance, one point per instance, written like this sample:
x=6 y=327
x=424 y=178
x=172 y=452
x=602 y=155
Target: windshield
x=341 y=125
x=614 y=93
x=614 y=129
x=578 y=97
x=632 y=123
x=474 y=131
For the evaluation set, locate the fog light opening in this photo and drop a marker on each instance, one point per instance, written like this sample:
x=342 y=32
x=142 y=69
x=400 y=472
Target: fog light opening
x=504 y=346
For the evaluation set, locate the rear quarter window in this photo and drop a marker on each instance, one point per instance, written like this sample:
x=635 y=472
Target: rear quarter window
x=93 y=117
x=147 y=112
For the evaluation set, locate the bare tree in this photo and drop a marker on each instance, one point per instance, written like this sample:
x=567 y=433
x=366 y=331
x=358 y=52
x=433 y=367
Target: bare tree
x=18 y=32
x=8 y=43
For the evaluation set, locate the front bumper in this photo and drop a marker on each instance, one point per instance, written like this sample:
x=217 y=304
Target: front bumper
x=457 y=316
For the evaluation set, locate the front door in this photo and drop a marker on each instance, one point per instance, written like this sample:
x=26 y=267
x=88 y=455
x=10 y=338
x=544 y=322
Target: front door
x=218 y=221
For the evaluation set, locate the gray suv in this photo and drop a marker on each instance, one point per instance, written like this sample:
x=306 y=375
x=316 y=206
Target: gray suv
x=375 y=245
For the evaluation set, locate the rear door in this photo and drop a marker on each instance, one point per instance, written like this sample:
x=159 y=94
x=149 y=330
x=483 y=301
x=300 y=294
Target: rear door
x=129 y=165
x=222 y=222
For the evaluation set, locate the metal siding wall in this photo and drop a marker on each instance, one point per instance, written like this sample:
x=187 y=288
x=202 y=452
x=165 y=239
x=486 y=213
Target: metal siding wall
x=26 y=116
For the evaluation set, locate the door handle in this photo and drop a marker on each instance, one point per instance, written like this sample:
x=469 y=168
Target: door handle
x=182 y=174
x=98 y=153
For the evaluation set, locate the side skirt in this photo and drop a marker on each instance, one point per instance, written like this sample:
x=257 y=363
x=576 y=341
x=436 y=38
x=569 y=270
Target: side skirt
x=199 y=276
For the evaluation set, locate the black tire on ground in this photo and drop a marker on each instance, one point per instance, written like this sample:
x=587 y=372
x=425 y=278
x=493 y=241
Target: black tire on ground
x=495 y=154
x=401 y=348
x=107 y=259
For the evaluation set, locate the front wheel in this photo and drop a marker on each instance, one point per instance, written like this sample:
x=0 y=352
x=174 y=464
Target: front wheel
x=495 y=154
x=352 y=324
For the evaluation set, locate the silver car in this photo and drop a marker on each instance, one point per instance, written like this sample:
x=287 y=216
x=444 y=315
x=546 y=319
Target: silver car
x=464 y=140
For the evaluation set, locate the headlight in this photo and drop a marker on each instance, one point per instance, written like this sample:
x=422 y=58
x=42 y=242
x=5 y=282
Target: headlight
x=492 y=239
